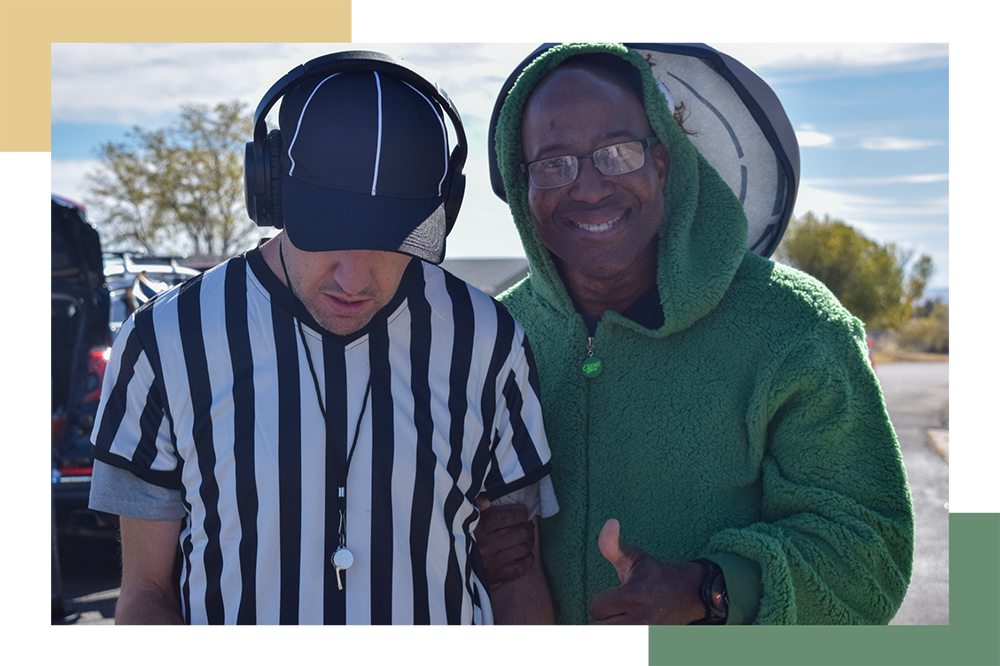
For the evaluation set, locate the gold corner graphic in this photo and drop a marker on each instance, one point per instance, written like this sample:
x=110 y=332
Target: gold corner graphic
x=28 y=28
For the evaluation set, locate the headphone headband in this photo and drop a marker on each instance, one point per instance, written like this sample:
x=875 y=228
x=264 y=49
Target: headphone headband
x=262 y=184
x=354 y=61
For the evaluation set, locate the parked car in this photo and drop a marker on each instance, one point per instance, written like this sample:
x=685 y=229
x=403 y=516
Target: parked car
x=81 y=341
x=93 y=292
x=134 y=278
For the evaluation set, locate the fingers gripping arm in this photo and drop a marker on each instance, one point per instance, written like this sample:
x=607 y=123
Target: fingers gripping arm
x=526 y=599
x=506 y=539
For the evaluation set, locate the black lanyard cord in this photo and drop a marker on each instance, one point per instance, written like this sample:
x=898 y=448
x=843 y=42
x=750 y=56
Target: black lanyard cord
x=342 y=485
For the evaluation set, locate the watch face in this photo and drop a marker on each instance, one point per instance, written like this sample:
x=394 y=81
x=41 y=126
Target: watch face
x=719 y=596
x=713 y=594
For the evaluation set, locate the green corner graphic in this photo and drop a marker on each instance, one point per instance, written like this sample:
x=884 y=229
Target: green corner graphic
x=970 y=639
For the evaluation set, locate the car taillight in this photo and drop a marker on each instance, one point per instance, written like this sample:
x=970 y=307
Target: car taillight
x=96 y=365
x=58 y=425
x=76 y=471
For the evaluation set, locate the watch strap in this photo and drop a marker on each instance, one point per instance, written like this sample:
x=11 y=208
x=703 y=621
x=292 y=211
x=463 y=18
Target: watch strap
x=713 y=594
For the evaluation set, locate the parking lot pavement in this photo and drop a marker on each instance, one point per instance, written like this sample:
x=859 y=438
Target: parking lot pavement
x=918 y=397
x=91 y=578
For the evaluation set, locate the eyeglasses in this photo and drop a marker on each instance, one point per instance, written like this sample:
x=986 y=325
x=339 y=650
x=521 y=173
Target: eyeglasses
x=611 y=160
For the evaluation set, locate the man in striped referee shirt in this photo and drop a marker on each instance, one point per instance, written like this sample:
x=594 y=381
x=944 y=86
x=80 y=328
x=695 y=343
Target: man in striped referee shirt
x=300 y=434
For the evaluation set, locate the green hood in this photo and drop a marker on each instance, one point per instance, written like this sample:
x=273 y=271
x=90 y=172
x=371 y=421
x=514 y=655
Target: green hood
x=703 y=234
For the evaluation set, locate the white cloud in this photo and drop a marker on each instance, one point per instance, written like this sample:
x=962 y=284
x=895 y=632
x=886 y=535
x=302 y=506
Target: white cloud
x=146 y=83
x=801 y=35
x=964 y=268
x=910 y=229
x=851 y=206
x=977 y=256
x=914 y=179
x=921 y=225
x=941 y=206
x=959 y=206
x=143 y=83
x=836 y=203
x=812 y=139
x=898 y=143
x=958 y=269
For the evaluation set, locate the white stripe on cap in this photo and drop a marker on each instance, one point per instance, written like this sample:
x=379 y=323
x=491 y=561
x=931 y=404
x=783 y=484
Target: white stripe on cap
x=378 y=142
x=302 y=114
x=444 y=135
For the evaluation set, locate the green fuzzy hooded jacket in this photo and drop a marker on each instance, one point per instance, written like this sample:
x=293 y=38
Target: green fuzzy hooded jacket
x=749 y=429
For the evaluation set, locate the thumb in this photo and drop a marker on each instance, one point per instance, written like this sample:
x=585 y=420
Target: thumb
x=609 y=543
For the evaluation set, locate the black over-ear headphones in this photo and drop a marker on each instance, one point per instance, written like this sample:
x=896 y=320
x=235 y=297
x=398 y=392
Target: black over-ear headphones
x=262 y=159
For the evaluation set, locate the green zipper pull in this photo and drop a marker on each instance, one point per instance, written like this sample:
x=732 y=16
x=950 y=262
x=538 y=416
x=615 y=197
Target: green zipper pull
x=591 y=365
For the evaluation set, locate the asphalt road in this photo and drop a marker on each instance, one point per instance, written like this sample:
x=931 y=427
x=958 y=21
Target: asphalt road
x=916 y=396
x=91 y=577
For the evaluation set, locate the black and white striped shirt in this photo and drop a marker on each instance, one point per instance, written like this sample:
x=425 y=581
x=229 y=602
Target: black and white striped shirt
x=209 y=391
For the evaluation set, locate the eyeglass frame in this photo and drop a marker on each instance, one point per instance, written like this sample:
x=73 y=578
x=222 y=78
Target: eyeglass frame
x=648 y=142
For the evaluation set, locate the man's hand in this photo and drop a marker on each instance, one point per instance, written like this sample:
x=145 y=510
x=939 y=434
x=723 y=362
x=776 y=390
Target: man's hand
x=651 y=591
x=506 y=538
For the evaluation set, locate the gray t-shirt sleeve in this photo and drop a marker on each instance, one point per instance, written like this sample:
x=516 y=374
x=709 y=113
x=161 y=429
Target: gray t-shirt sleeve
x=539 y=497
x=114 y=490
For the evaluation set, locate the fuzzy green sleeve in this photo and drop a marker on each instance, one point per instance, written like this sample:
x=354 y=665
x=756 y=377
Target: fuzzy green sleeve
x=835 y=540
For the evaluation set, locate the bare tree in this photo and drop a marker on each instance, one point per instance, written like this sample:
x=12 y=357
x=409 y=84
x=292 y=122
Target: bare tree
x=177 y=189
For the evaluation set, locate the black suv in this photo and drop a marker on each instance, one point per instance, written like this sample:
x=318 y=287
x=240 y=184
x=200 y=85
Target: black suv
x=81 y=306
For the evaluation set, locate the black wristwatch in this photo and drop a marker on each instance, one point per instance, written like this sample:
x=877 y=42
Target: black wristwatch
x=713 y=594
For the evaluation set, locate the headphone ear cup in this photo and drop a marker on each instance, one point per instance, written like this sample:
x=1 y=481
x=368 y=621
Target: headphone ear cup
x=274 y=164
x=453 y=201
x=249 y=181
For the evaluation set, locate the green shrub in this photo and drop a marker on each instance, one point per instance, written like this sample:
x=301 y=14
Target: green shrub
x=923 y=334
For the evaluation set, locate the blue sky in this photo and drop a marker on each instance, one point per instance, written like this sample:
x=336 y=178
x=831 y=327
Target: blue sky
x=874 y=145
x=872 y=120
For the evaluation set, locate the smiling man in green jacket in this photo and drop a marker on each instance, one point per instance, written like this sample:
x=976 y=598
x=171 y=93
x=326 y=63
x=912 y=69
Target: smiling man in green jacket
x=715 y=408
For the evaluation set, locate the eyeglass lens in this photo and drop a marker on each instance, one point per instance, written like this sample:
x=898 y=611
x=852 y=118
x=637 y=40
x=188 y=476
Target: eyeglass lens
x=611 y=160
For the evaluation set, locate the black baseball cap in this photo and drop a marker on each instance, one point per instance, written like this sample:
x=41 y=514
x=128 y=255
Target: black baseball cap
x=364 y=165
